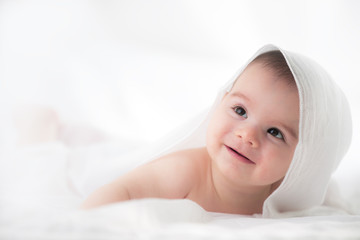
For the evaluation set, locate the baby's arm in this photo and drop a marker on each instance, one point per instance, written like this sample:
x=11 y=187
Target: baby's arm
x=170 y=177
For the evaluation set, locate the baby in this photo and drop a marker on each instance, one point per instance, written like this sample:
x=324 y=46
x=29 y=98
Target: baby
x=250 y=143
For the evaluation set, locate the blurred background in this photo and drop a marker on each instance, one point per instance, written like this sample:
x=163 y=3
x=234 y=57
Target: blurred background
x=138 y=69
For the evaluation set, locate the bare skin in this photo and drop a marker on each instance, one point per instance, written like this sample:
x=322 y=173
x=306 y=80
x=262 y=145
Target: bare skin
x=250 y=143
x=188 y=174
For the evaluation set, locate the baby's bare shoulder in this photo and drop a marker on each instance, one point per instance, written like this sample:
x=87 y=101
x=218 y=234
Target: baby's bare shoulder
x=185 y=158
x=183 y=165
x=171 y=176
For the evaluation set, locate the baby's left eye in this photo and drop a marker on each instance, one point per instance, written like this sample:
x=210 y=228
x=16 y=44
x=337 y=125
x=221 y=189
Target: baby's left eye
x=276 y=133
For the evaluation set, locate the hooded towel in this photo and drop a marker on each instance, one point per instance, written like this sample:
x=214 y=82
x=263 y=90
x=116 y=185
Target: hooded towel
x=324 y=135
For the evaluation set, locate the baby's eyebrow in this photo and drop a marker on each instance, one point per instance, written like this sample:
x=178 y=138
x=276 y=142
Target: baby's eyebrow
x=240 y=95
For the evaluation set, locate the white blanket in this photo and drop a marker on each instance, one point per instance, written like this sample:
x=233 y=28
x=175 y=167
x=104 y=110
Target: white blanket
x=39 y=201
x=176 y=219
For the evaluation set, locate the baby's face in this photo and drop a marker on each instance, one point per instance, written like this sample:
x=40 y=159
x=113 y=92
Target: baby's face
x=254 y=131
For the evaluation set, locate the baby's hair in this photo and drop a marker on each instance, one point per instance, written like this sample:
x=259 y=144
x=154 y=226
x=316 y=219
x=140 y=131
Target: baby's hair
x=275 y=61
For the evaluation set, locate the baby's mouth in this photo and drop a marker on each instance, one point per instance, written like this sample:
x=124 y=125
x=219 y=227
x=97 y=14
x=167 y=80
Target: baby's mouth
x=239 y=155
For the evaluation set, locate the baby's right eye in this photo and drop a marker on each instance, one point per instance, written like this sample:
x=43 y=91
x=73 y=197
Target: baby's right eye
x=240 y=111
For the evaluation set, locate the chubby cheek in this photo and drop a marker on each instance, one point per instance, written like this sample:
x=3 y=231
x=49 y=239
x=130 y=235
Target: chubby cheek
x=215 y=134
x=218 y=128
x=213 y=139
x=275 y=166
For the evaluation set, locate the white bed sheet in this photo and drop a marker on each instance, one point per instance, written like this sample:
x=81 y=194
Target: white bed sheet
x=42 y=186
x=176 y=219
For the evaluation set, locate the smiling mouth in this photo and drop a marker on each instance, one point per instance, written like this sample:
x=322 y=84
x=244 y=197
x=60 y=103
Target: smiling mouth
x=239 y=156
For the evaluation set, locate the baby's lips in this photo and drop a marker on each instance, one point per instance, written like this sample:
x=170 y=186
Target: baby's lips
x=241 y=154
x=244 y=156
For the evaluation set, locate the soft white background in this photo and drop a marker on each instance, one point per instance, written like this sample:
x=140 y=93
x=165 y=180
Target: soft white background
x=138 y=69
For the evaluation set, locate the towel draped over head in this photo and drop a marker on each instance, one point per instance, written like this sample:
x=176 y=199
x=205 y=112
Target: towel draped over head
x=324 y=135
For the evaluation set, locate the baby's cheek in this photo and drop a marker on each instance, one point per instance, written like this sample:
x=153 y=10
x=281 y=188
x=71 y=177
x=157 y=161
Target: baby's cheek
x=269 y=177
x=272 y=171
x=286 y=161
x=266 y=176
x=214 y=132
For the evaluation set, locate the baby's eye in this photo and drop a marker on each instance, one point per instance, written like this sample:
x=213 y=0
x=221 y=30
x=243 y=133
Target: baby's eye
x=276 y=133
x=240 y=111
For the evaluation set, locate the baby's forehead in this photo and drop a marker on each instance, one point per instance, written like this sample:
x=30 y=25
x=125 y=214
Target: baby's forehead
x=256 y=69
x=275 y=62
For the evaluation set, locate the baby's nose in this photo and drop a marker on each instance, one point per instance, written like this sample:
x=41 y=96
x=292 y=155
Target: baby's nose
x=249 y=135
